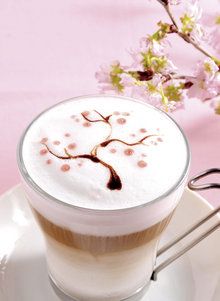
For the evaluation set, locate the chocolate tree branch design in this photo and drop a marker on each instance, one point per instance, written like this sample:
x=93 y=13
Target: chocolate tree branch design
x=105 y=143
x=114 y=182
x=103 y=119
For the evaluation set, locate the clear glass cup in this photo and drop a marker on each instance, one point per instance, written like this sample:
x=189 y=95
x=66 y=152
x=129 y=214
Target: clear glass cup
x=87 y=263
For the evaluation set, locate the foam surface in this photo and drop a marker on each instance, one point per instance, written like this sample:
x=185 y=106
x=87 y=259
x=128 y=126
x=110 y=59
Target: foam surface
x=145 y=170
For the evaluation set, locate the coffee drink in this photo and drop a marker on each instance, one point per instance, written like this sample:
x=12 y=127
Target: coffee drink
x=103 y=176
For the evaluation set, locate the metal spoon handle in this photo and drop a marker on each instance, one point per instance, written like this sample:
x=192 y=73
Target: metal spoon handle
x=193 y=186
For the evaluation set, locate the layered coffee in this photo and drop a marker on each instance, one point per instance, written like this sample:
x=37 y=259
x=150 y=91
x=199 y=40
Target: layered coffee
x=104 y=177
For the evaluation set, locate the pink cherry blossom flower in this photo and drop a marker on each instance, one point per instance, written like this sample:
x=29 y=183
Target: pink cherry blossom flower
x=138 y=92
x=153 y=90
x=148 y=90
x=156 y=52
x=103 y=75
x=207 y=82
x=191 y=21
x=215 y=38
x=145 y=45
x=172 y=106
x=136 y=60
x=127 y=80
x=213 y=21
x=194 y=11
x=201 y=90
x=109 y=77
x=156 y=47
x=206 y=69
x=129 y=84
x=169 y=67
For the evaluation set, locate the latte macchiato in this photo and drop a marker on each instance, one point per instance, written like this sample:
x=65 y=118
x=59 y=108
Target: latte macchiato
x=103 y=176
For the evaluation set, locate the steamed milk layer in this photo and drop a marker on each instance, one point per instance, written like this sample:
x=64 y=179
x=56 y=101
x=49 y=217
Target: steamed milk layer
x=98 y=278
x=103 y=153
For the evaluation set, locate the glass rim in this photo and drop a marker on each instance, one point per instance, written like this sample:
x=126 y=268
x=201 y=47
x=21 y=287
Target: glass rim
x=32 y=184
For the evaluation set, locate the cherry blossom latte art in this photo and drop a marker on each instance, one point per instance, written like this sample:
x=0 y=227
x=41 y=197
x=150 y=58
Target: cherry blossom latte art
x=103 y=176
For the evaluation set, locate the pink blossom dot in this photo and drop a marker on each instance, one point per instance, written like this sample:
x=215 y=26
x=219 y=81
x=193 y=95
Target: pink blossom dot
x=79 y=164
x=158 y=129
x=116 y=113
x=67 y=135
x=142 y=130
x=72 y=116
x=56 y=142
x=143 y=155
x=125 y=114
x=159 y=139
x=44 y=140
x=65 y=167
x=85 y=113
x=129 y=152
x=77 y=120
x=71 y=146
x=86 y=124
x=141 y=163
x=121 y=120
x=43 y=152
x=113 y=150
x=49 y=161
x=132 y=135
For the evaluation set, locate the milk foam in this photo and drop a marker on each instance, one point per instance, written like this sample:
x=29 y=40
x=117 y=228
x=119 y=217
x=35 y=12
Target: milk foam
x=146 y=168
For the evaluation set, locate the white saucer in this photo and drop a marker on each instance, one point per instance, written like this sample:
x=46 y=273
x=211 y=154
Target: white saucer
x=23 y=276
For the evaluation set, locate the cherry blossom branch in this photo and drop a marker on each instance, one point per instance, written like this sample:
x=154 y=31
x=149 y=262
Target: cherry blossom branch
x=167 y=8
x=173 y=76
x=152 y=76
x=189 y=40
x=185 y=37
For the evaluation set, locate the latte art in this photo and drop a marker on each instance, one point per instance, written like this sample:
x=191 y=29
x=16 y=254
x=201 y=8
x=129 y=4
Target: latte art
x=102 y=143
x=114 y=180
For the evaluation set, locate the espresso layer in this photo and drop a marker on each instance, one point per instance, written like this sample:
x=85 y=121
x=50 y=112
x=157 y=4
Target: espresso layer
x=100 y=244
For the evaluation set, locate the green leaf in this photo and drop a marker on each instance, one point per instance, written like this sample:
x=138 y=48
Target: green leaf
x=164 y=98
x=188 y=24
x=173 y=92
x=161 y=33
x=151 y=61
x=151 y=88
x=116 y=70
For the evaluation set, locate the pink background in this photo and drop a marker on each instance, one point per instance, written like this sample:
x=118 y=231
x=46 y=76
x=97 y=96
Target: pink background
x=50 y=51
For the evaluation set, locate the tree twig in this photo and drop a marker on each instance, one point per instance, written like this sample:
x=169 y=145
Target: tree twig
x=185 y=37
x=167 y=8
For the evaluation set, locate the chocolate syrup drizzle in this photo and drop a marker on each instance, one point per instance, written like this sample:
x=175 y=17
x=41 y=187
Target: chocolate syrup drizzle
x=114 y=182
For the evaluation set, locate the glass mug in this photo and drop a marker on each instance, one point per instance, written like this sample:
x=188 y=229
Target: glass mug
x=85 y=262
